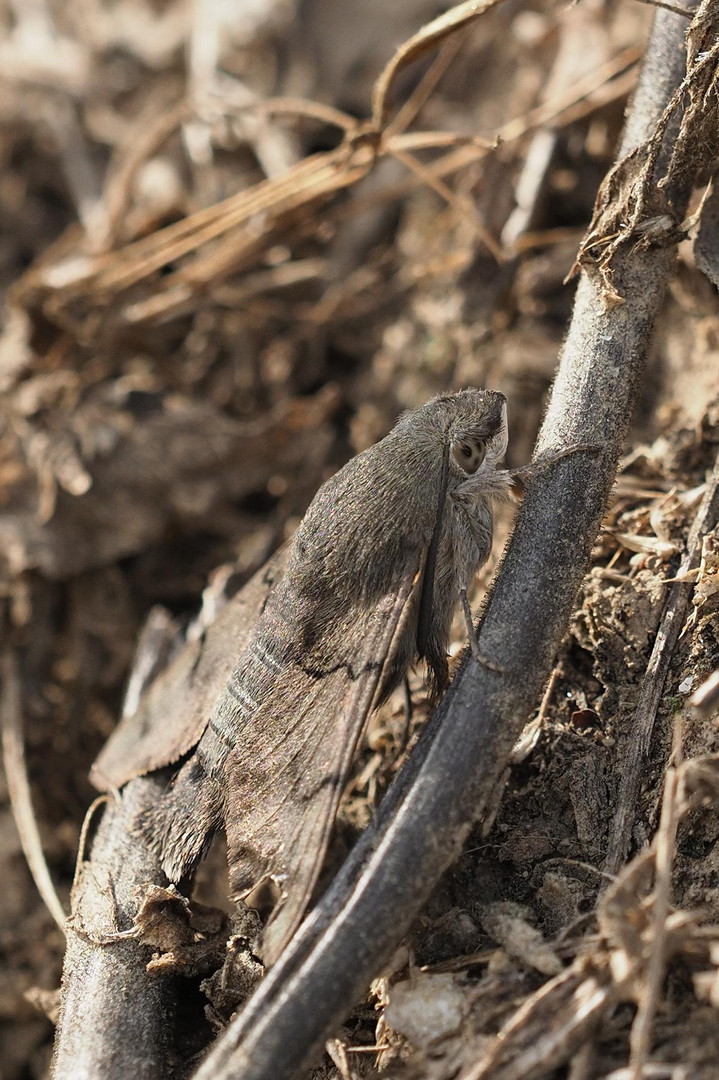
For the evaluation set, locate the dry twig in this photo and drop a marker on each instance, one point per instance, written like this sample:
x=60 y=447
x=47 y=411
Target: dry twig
x=550 y=1025
x=670 y=626
x=664 y=859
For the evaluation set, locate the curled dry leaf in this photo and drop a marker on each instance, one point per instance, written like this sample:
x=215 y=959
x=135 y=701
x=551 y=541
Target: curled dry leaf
x=188 y=938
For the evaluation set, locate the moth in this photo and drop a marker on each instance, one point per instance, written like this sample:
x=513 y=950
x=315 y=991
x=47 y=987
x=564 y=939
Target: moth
x=370 y=581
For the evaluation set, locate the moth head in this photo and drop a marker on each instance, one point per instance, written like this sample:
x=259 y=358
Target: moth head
x=478 y=438
x=469 y=425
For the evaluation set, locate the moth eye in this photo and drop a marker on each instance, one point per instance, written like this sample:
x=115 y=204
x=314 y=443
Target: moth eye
x=468 y=455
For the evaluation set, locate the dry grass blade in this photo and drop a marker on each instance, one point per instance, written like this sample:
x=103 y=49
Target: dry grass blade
x=610 y=82
x=596 y=88
x=311 y=110
x=549 y=1027
x=640 y=1040
x=409 y=111
x=676 y=8
x=148 y=139
x=426 y=39
x=464 y=209
x=19 y=787
x=283 y=199
x=669 y=7
x=237 y=229
x=310 y=179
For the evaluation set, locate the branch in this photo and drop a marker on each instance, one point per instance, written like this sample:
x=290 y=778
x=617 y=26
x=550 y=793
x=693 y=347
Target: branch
x=116 y=1020
x=447 y=782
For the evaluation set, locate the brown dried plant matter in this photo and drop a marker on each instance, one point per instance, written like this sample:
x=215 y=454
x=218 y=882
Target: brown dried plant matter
x=102 y=289
x=639 y=936
x=230 y=235
x=636 y=203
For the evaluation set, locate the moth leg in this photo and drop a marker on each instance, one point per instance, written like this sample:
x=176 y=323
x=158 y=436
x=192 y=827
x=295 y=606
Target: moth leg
x=518 y=476
x=408 y=710
x=471 y=545
x=472 y=635
x=469 y=624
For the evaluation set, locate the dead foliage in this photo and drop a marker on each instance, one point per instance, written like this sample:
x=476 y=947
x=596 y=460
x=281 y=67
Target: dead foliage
x=635 y=204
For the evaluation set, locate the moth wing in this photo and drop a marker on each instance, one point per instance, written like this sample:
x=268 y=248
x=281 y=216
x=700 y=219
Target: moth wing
x=174 y=711
x=284 y=788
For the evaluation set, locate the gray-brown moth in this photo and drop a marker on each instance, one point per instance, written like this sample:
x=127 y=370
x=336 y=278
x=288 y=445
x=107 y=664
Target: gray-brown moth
x=370 y=581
